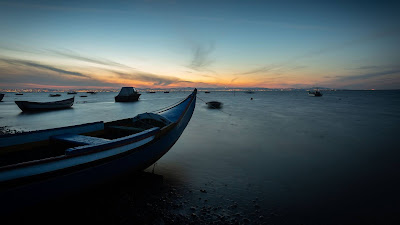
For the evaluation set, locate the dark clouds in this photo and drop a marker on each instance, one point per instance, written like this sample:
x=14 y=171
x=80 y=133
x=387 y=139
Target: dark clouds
x=26 y=63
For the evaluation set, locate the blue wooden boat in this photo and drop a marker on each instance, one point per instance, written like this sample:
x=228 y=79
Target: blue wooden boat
x=41 y=165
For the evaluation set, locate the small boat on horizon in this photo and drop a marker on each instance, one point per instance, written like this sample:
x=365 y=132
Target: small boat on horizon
x=44 y=165
x=207 y=92
x=71 y=93
x=315 y=93
x=127 y=94
x=151 y=92
x=166 y=91
x=19 y=94
x=91 y=92
x=54 y=95
x=43 y=106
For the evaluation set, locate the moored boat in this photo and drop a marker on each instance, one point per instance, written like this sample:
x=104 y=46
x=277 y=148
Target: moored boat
x=54 y=95
x=214 y=104
x=42 y=106
x=1 y=96
x=315 y=93
x=71 y=93
x=127 y=94
x=41 y=165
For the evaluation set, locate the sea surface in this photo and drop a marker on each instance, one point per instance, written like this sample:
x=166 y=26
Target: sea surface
x=281 y=157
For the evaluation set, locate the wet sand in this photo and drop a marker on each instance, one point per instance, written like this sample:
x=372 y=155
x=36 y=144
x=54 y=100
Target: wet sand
x=140 y=198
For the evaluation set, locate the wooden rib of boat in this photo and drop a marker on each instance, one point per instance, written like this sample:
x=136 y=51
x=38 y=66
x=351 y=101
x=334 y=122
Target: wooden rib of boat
x=1 y=97
x=43 y=106
x=42 y=165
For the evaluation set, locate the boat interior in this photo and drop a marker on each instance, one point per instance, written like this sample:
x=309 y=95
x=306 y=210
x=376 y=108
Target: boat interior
x=42 y=144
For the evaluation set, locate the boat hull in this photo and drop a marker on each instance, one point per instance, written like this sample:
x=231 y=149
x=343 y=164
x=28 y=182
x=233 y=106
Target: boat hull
x=132 y=98
x=43 y=106
x=86 y=176
x=1 y=97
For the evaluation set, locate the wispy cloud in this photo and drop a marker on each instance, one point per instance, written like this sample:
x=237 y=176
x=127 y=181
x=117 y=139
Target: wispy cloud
x=371 y=75
x=27 y=63
x=148 y=77
x=73 y=55
x=55 y=7
x=201 y=56
x=278 y=69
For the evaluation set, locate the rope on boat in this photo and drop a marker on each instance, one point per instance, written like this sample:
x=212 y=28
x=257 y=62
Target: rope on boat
x=213 y=106
x=168 y=107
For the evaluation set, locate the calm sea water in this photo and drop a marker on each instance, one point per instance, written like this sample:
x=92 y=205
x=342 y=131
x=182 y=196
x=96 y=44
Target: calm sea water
x=285 y=156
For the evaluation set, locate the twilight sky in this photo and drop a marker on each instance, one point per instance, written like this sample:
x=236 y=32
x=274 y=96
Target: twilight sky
x=172 y=43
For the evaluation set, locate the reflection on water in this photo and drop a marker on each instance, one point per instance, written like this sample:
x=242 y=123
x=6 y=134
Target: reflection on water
x=281 y=158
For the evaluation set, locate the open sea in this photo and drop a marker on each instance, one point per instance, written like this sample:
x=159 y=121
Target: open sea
x=281 y=158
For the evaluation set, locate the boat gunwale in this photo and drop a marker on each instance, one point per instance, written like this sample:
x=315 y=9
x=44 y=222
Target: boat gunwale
x=47 y=103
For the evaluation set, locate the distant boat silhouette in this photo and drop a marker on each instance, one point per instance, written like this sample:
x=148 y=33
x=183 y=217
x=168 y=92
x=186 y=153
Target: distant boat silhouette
x=315 y=93
x=54 y=95
x=1 y=97
x=71 y=92
x=127 y=94
x=19 y=94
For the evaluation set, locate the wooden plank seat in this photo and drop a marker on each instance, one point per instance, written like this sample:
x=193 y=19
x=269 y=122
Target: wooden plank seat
x=77 y=139
x=133 y=141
